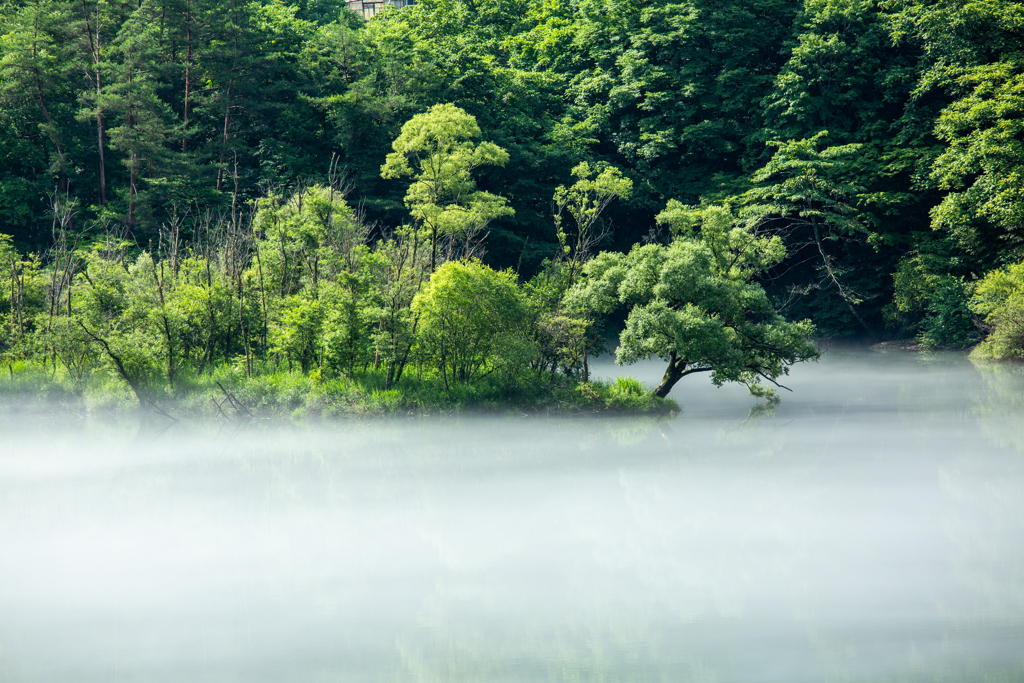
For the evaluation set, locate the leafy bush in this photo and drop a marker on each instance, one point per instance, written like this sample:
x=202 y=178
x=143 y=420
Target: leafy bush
x=949 y=322
x=628 y=394
x=933 y=307
x=914 y=283
x=624 y=395
x=474 y=323
x=999 y=298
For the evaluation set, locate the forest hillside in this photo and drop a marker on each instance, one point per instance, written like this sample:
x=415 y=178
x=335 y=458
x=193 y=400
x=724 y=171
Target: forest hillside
x=268 y=173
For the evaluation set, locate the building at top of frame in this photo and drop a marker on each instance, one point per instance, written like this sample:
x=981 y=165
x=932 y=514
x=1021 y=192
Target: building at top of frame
x=368 y=8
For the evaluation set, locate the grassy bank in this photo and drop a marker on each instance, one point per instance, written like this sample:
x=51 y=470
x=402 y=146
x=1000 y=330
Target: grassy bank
x=231 y=393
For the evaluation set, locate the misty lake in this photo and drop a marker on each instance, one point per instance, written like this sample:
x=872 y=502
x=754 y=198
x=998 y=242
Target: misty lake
x=871 y=529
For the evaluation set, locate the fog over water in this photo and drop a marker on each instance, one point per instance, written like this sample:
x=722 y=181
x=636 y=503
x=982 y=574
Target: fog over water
x=871 y=529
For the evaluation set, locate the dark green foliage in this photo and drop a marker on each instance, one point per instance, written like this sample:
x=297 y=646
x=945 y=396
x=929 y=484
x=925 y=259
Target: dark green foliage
x=192 y=154
x=949 y=322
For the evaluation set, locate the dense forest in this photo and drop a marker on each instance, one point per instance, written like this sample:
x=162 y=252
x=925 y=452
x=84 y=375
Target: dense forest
x=485 y=192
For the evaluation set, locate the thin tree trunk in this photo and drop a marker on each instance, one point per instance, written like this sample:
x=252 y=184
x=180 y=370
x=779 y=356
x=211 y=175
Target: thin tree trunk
x=244 y=330
x=444 y=368
x=263 y=298
x=224 y=137
x=835 y=281
x=131 y=190
x=433 y=249
x=133 y=175
x=400 y=365
x=159 y=282
x=118 y=365
x=100 y=130
x=94 y=49
x=188 y=73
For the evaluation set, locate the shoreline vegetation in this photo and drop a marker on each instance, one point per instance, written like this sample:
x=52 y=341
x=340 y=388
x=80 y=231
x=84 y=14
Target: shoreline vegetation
x=229 y=394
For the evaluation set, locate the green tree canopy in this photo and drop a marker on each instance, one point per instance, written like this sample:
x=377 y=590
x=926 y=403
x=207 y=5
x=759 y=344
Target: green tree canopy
x=585 y=200
x=982 y=168
x=801 y=194
x=694 y=304
x=474 y=322
x=438 y=151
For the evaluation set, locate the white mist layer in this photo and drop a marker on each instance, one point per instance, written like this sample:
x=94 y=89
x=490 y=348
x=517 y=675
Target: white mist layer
x=871 y=529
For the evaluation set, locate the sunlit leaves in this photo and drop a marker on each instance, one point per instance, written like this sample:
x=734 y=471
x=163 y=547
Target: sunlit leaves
x=692 y=303
x=474 y=322
x=982 y=169
x=999 y=297
x=438 y=151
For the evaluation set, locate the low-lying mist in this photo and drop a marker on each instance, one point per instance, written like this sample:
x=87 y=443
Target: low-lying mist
x=870 y=528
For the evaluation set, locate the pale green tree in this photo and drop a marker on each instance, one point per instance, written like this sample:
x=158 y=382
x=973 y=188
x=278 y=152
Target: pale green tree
x=999 y=299
x=474 y=323
x=400 y=267
x=982 y=168
x=585 y=200
x=566 y=336
x=437 y=149
x=119 y=310
x=313 y=260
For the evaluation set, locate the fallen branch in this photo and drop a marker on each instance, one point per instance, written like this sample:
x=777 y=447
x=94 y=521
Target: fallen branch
x=235 y=403
x=219 y=409
x=158 y=409
x=121 y=370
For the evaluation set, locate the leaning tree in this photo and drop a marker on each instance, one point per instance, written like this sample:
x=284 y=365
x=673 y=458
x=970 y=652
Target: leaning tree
x=695 y=304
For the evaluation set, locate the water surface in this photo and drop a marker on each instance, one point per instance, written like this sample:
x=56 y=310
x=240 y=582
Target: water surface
x=871 y=529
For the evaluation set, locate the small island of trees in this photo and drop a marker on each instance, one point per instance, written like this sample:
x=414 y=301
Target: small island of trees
x=415 y=314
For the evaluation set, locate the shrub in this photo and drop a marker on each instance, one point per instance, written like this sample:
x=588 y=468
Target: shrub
x=933 y=307
x=628 y=394
x=474 y=322
x=624 y=395
x=949 y=322
x=999 y=298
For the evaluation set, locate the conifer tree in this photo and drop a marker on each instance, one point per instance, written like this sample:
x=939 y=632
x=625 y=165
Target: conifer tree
x=34 y=69
x=145 y=125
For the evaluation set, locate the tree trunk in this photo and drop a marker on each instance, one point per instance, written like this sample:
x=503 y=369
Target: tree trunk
x=159 y=282
x=94 y=50
x=103 y=163
x=433 y=249
x=131 y=191
x=132 y=382
x=835 y=280
x=188 y=74
x=224 y=137
x=673 y=374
